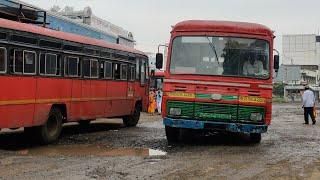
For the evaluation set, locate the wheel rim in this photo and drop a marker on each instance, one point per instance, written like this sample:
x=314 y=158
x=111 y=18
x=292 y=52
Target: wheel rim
x=52 y=126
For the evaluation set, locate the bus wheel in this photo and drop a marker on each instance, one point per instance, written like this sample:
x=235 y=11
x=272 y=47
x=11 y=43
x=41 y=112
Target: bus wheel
x=84 y=123
x=132 y=120
x=255 y=137
x=51 y=130
x=172 y=134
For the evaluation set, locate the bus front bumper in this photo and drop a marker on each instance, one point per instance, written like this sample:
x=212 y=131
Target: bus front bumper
x=218 y=126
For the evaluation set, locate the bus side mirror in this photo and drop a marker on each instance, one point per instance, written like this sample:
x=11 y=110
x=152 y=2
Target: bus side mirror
x=276 y=63
x=159 y=60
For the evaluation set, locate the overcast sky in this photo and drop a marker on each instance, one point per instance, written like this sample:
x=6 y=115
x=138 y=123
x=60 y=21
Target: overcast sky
x=151 y=20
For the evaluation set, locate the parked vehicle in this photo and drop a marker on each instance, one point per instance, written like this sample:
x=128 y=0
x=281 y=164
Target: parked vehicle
x=218 y=77
x=49 y=78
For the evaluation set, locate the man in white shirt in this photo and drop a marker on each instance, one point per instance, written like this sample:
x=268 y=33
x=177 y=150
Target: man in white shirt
x=252 y=67
x=308 y=102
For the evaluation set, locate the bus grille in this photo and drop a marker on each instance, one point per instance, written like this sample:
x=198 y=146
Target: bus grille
x=214 y=112
x=220 y=112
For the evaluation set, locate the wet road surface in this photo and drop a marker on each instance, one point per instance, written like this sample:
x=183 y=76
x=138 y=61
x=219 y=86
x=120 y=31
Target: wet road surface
x=107 y=150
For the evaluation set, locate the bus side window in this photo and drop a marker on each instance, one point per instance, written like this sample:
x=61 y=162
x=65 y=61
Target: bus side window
x=94 y=68
x=90 y=68
x=108 y=70
x=131 y=74
x=143 y=73
x=29 y=62
x=17 y=61
x=124 y=72
x=49 y=64
x=3 y=60
x=116 y=71
x=137 y=69
x=72 y=66
x=147 y=68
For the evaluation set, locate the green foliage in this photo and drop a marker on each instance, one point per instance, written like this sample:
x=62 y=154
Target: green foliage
x=278 y=89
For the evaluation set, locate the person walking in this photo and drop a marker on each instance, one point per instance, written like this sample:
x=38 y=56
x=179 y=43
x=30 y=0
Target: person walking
x=308 y=103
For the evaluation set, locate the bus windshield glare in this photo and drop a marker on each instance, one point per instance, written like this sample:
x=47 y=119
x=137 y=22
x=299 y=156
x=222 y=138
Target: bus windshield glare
x=220 y=56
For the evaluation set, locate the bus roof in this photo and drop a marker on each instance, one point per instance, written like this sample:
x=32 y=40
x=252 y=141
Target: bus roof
x=222 y=26
x=8 y=24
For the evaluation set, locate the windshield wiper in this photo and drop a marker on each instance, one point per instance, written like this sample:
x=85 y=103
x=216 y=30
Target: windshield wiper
x=213 y=49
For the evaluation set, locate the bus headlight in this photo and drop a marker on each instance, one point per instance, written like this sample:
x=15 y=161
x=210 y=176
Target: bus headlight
x=256 y=116
x=175 y=111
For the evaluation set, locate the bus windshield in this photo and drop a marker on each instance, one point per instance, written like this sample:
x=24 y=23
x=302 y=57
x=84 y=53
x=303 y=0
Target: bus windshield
x=221 y=56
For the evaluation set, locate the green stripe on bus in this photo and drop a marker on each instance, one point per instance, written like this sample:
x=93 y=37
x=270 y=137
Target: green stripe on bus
x=223 y=97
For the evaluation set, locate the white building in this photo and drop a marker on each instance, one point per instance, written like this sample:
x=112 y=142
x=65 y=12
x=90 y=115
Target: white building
x=303 y=50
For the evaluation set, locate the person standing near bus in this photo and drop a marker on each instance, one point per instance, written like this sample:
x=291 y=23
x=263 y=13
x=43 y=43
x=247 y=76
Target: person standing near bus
x=152 y=102
x=159 y=100
x=308 y=103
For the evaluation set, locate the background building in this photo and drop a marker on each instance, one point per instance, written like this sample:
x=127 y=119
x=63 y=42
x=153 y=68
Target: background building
x=300 y=64
x=303 y=51
x=82 y=22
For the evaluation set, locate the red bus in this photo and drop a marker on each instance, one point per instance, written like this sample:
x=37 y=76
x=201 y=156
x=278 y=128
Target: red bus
x=49 y=78
x=218 y=77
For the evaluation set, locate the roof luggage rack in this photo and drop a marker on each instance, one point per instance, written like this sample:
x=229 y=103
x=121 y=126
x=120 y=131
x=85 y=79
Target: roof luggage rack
x=16 y=11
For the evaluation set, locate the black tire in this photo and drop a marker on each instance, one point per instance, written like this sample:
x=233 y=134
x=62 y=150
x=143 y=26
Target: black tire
x=172 y=134
x=255 y=138
x=133 y=119
x=84 y=123
x=51 y=130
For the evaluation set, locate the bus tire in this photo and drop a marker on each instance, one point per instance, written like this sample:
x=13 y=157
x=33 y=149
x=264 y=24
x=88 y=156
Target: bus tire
x=133 y=119
x=84 y=123
x=172 y=134
x=51 y=130
x=255 y=138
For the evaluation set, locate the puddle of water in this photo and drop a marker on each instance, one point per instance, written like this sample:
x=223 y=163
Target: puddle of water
x=90 y=150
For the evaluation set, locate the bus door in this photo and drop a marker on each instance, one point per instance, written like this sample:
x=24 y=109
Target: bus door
x=117 y=90
x=131 y=85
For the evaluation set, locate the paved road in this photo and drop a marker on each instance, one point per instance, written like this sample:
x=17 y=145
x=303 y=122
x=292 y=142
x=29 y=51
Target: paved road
x=106 y=150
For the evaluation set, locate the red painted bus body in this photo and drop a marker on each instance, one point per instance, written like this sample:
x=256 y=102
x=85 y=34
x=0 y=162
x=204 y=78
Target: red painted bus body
x=27 y=99
x=213 y=94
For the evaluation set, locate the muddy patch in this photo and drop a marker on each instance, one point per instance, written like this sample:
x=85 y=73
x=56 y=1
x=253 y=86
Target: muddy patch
x=90 y=150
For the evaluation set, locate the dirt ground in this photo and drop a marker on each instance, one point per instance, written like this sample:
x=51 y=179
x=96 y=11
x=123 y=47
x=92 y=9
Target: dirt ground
x=107 y=150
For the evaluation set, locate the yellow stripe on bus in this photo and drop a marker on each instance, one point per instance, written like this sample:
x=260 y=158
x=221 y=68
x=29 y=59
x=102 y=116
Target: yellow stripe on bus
x=44 y=101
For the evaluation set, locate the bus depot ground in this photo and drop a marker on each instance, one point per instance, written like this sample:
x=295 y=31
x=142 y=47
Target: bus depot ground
x=107 y=150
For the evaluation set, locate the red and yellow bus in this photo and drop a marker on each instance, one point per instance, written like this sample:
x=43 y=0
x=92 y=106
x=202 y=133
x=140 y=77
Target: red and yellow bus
x=49 y=78
x=218 y=77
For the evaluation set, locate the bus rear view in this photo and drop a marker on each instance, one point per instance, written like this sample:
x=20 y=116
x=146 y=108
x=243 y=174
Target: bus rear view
x=218 y=77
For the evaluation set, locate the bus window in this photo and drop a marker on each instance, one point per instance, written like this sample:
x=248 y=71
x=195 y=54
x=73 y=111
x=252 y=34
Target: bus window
x=143 y=73
x=116 y=71
x=17 y=61
x=29 y=62
x=147 y=68
x=3 y=60
x=137 y=69
x=124 y=72
x=86 y=68
x=131 y=74
x=72 y=66
x=94 y=68
x=108 y=70
x=48 y=64
x=90 y=68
